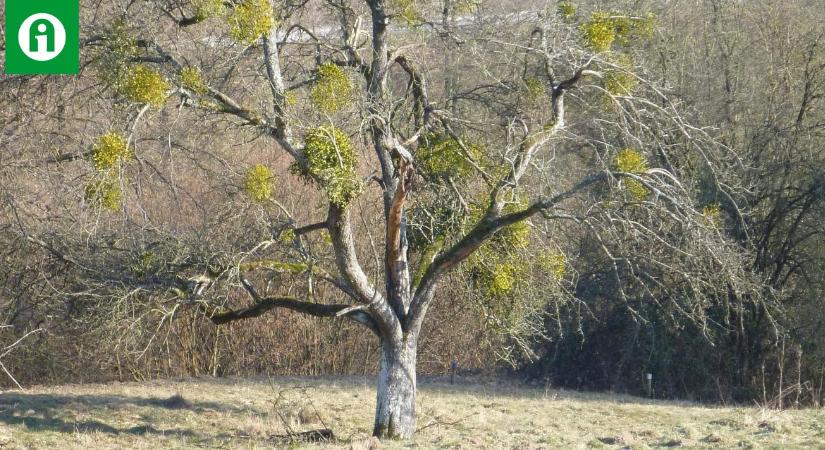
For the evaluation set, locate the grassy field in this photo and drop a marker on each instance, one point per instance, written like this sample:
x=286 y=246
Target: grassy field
x=243 y=413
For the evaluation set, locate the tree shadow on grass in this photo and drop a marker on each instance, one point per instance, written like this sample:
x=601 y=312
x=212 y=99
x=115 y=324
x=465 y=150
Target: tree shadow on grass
x=35 y=401
x=60 y=425
x=55 y=413
x=48 y=412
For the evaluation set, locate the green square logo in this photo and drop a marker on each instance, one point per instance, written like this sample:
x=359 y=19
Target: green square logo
x=42 y=36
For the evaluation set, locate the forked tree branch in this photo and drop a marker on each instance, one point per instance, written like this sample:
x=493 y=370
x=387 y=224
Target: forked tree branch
x=340 y=230
x=483 y=230
x=536 y=142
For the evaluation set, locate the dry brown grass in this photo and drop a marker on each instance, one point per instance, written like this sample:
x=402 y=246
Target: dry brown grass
x=248 y=414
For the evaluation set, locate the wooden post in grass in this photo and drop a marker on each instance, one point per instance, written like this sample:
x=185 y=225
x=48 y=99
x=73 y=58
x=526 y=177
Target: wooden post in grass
x=649 y=377
x=453 y=367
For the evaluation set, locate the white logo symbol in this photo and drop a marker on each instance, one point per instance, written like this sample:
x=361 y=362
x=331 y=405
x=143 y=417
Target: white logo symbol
x=41 y=37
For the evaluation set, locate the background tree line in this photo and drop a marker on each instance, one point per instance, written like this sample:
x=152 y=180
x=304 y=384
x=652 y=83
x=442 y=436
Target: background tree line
x=753 y=72
x=756 y=72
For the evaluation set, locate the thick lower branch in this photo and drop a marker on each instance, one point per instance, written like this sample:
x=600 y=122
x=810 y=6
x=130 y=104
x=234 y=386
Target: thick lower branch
x=310 y=228
x=358 y=314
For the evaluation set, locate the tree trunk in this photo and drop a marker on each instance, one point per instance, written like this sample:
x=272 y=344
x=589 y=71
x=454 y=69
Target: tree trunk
x=395 y=411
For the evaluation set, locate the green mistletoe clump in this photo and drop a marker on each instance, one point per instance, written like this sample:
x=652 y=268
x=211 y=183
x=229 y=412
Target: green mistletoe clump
x=191 y=78
x=259 y=183
x=105 y=193
x=331 y=162
x=142 y=84
x=567 y=10
x=250 y=20
x=620 y=80
x=406 y=10
x=632 y=161
x=554 y=264
x=333 y=91
x=205 y=9
x=441 y=156
x=606 y=28
x=114 y=57
x=109 y=149
x=108 y=152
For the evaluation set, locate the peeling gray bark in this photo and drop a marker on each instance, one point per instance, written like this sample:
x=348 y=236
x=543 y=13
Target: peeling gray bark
x=395 y=408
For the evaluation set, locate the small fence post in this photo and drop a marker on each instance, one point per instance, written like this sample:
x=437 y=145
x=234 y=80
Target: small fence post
x=453 y=367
